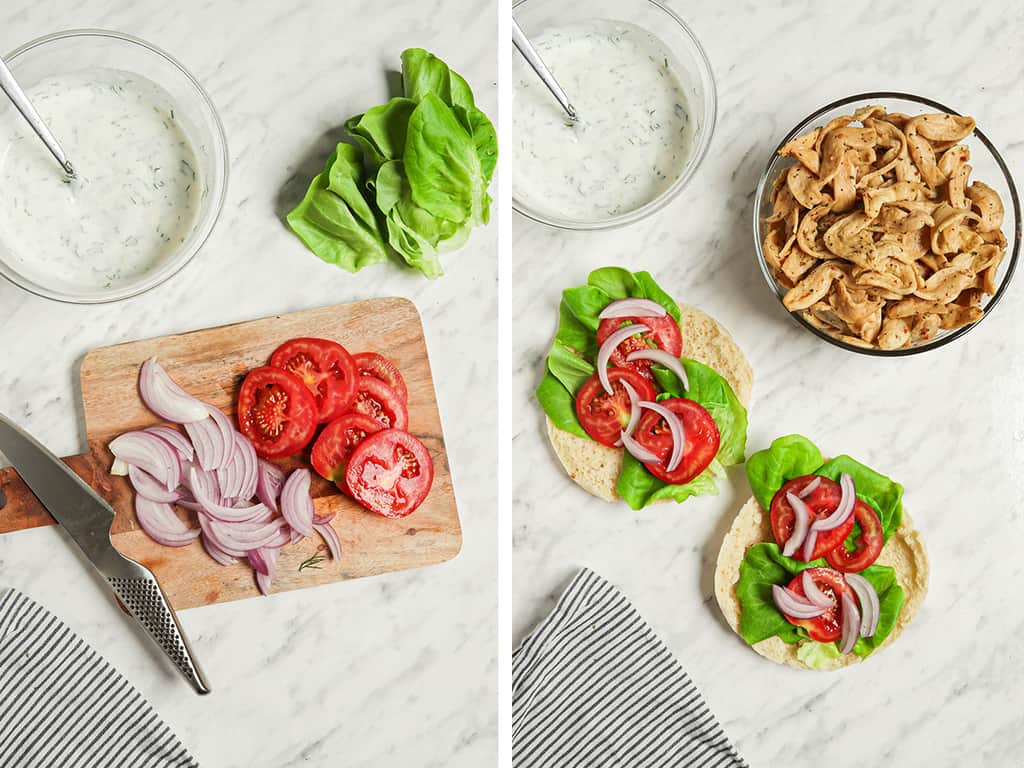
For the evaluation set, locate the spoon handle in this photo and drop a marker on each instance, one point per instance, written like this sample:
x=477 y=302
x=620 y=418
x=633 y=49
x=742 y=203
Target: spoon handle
x=522 y=42
x=17 y=96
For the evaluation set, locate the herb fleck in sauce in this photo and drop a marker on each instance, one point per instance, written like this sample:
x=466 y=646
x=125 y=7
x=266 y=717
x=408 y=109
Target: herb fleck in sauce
x=635 y=133
x=136 y=197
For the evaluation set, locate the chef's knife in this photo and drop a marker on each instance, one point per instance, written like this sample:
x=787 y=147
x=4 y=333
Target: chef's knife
x=87 y=518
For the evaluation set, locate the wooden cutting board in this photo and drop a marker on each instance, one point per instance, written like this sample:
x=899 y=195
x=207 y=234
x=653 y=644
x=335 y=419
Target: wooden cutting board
x=211 y=365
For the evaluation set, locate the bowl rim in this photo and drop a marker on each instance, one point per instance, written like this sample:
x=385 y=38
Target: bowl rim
x=779 y=292
x=670 y=194
x=221 y=154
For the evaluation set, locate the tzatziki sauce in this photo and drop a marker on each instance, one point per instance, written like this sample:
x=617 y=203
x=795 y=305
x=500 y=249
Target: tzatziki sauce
x=135 y=197
x=634 y=134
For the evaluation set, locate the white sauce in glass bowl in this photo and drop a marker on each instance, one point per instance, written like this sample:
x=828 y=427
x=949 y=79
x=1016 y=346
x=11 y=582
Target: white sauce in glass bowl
x=635 y=132
x=136 y=196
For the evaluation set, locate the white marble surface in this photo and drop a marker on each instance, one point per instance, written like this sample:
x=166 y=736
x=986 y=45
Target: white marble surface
x=948 y=424
x=397 y=670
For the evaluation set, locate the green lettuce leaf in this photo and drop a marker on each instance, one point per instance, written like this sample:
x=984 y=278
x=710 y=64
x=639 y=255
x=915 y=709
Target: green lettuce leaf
x=381 y=130
x=817 y=655
x=788 y=457
x=891 y=598
x=559 y=405
x=571 y=370
x=638 y=487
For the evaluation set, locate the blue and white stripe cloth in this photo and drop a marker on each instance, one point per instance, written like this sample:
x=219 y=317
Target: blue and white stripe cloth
x=63 y=706
x=593 y=687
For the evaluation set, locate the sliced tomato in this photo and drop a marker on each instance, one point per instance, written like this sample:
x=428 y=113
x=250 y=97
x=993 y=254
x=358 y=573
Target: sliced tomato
x=326 y=368
x=381 y=403
x=664 y=334
x=822 y=501
x=828 y=627
x=390 y=473
x=276 y=411
x=702 y=440
x=333 y=449
x=867 y=546
x=604 y=416
x=379 y=367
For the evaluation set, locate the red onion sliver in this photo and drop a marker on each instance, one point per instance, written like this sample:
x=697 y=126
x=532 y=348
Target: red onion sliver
x=636 y=450
x=324 y=519
x=802 y=522
x=149 y=453
x=176 y=440
x=206 y=437
x=241 y=537
x=634 y=407
x=269 y=480
x=870 y=606
x=257 y=561
x=217 y=510
x=245 y=456
x=810 y=488
x=218 y=554
x=296 y=536
x=845 y=508
x=147 y=485
x=227 y=434
x=296 y=503
x=330 y=536
x=263 y=580
x=661 y=357
x=675 y=426
x=165 y=398
x=794 y=605
x=810 y=542
x=228 y=549
x=633 y=308
x=161 y=524
x=118 y=468
x=812 y=592
x=851 y=625
x=609 y=346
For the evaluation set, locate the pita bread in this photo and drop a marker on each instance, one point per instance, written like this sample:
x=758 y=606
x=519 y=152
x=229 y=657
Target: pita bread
x=904 y=551
x=596 y=467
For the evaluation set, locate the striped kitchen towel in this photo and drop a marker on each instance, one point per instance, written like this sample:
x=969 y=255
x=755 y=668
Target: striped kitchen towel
x=63 y=706
x=593 y=687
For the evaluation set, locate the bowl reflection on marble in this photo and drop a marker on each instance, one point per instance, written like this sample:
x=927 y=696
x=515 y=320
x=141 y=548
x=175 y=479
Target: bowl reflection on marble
x=988 y=166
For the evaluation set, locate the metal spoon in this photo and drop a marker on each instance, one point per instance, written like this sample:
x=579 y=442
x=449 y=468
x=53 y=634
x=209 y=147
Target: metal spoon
x=17 y=96
x=522 y=42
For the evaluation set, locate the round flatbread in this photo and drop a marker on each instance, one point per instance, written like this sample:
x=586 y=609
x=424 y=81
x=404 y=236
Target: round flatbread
x=904 y=551
x=596 y=467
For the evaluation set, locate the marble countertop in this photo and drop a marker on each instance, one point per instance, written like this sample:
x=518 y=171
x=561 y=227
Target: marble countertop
x=948 y=424
x=395 y=670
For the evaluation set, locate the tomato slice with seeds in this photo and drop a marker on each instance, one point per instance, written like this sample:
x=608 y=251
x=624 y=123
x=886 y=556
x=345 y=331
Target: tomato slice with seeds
x=664 y=334
x=702 y=440
x=604 y=416
x=828 y=627
x=276 y=411
x=822 y=501
x=390 y=473
x=867 y=546
x=333 y=448
x=379 y=367
x=377 y=400
x=326 y=368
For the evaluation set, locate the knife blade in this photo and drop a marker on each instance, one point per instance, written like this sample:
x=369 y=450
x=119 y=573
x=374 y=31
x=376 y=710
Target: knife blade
x=87 y=519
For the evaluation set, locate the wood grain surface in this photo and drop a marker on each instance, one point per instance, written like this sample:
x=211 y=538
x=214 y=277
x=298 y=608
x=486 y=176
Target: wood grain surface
x=211 y=365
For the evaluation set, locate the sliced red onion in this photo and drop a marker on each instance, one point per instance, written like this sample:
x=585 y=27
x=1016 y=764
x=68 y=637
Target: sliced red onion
x=161 y=524
x=242 y=537
x=793 y=605
x=845 y=508
x=118 y=468
x=675 y=426
x=810 y=488
x=201 y=484
x=810 y=542
x=870 y=606
x=324 y=519
x=636 y=450
x=812 y=592
x=661 y=357
x=227 y=434
x=263 y=580
x=208 y=441
x=609 y=346
x=165 y=398
x=633 y=308
x=296 y=537
x=269 y=480
x=802 y=522
x=330 y=536
x=245 y=456
x=147 y=485
x=176 y=440
x=258 y=561
x=851 y=625
x=218 y=541
x=216 y=509
x=218 y=554
x=634 y=407
x=150 y=453
x=296 y=503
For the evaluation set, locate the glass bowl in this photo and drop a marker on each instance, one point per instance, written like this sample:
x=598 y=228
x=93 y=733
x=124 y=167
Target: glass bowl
x=687 y=59
x=75 y=50
x=988 y=165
